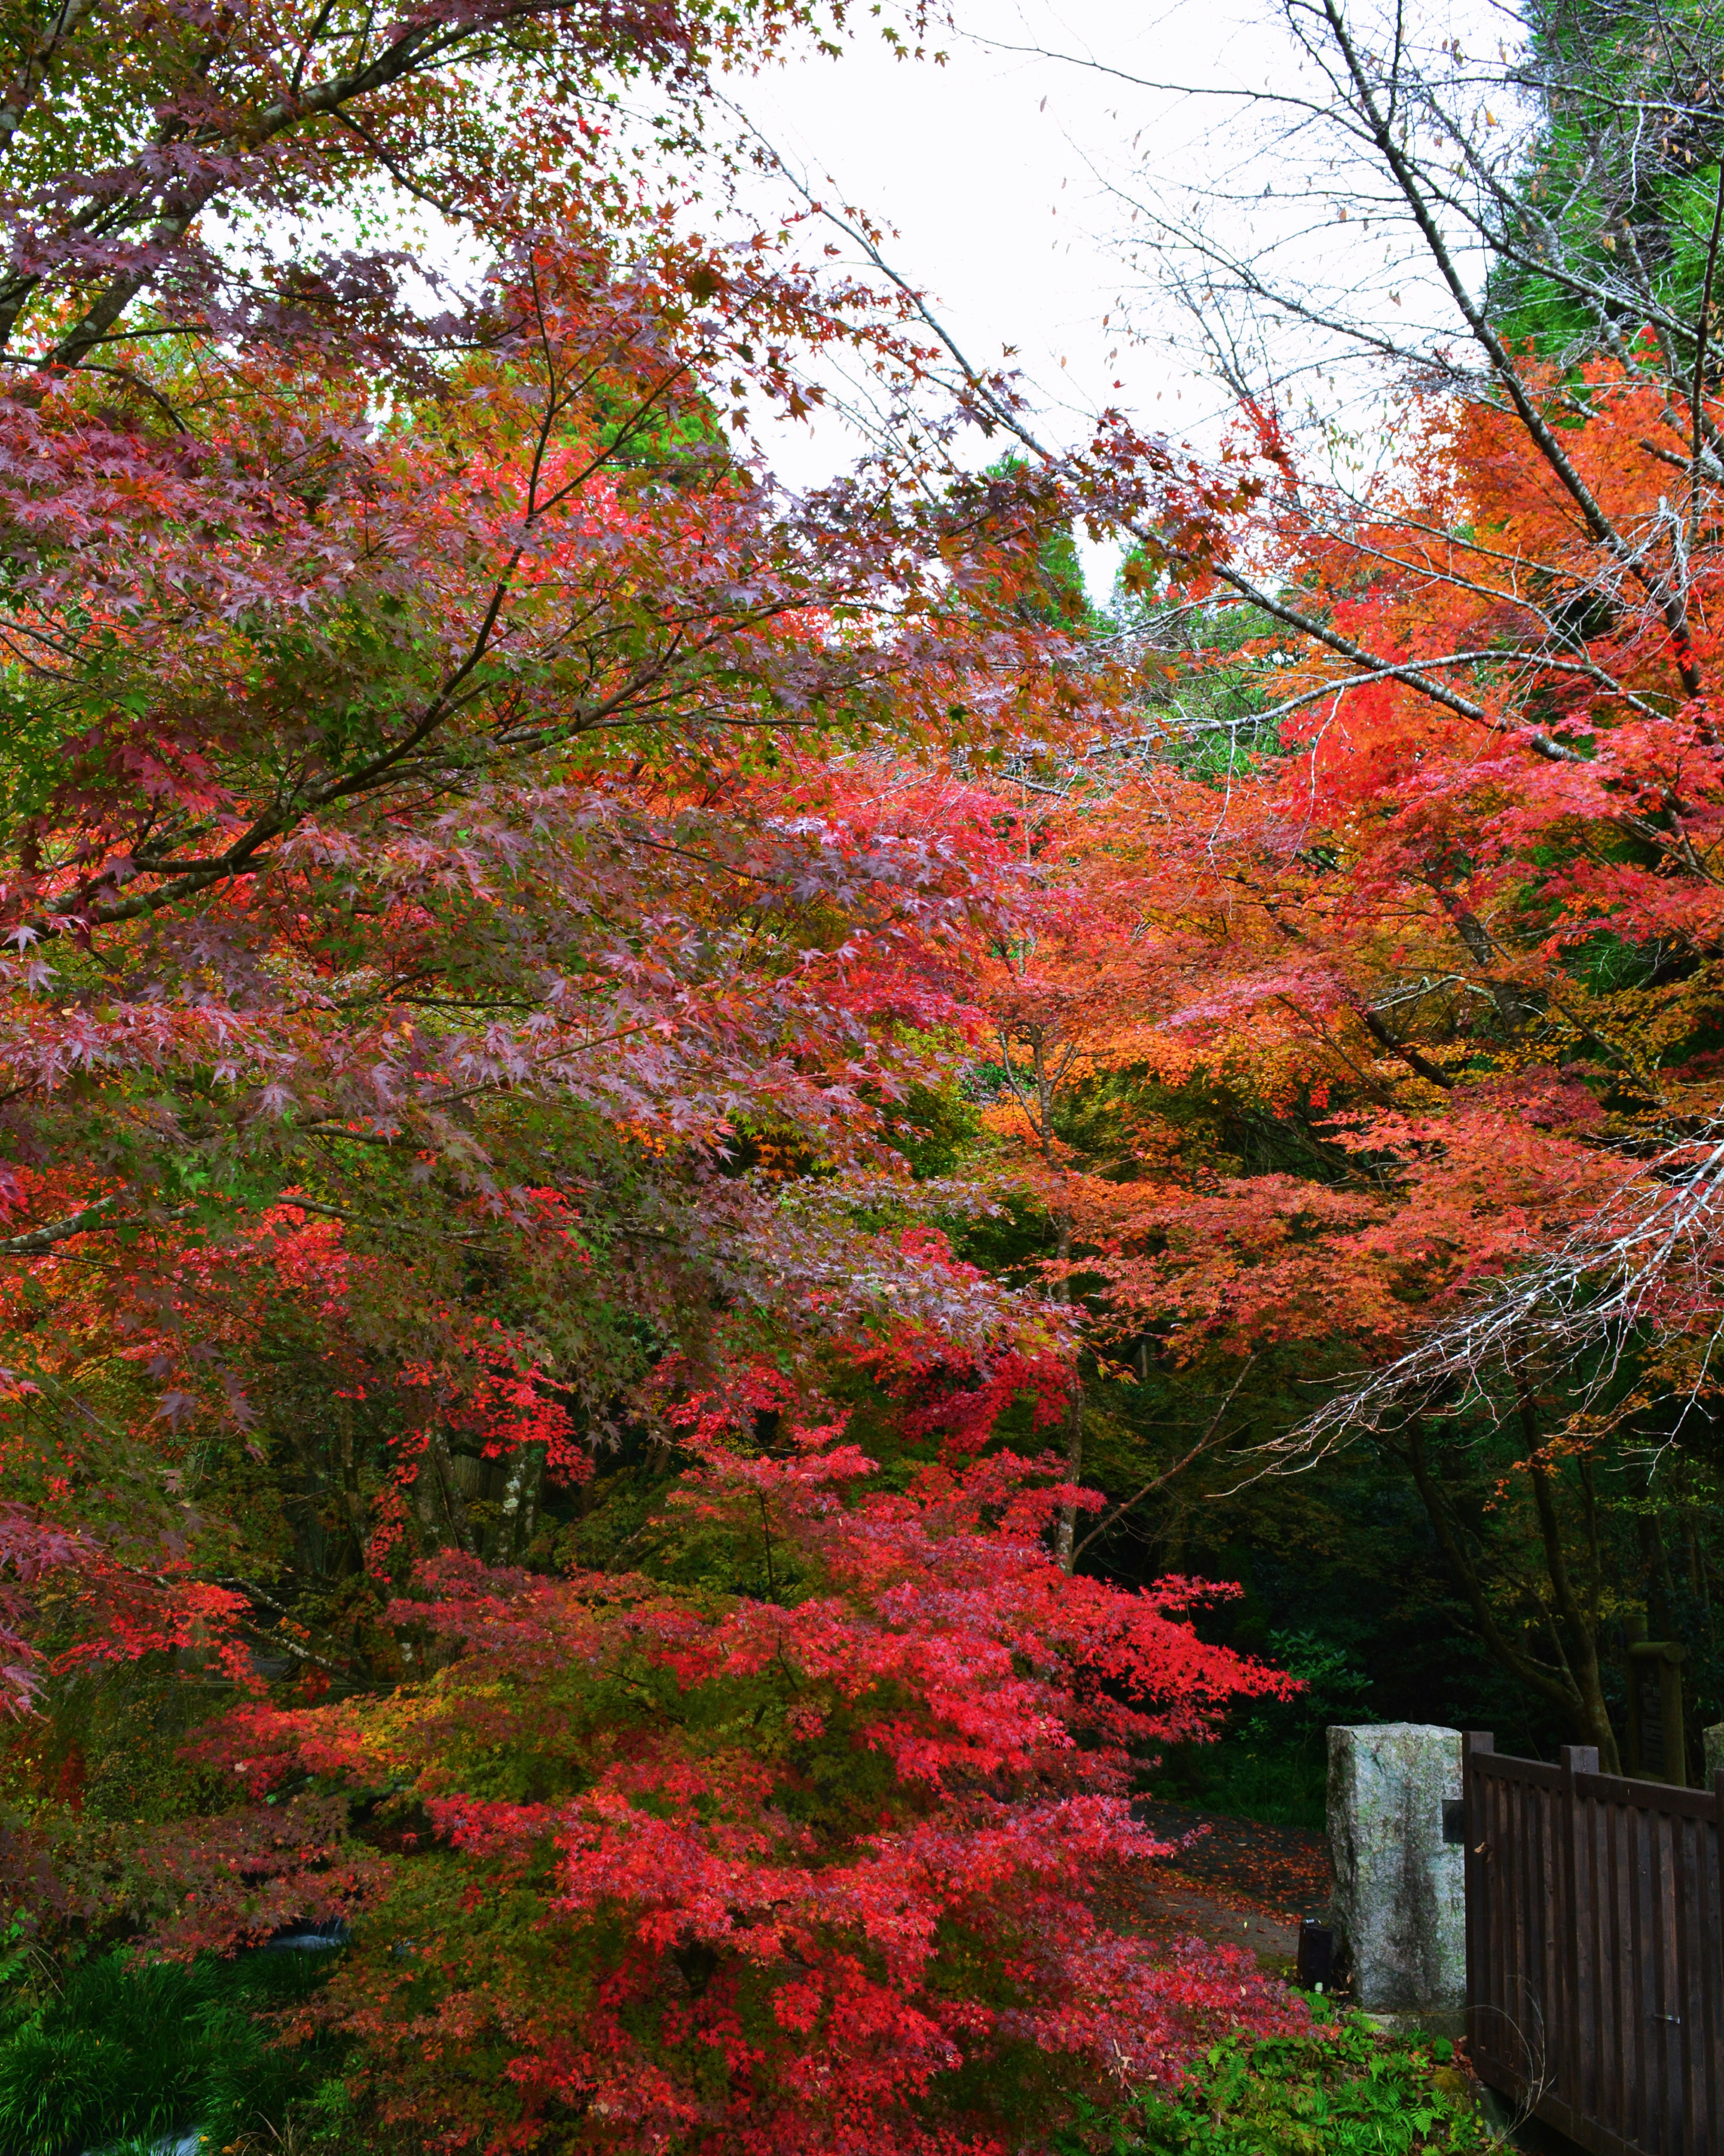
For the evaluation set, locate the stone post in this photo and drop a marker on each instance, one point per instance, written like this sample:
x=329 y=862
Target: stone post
x=1400 y=1901
x=1713 y=1740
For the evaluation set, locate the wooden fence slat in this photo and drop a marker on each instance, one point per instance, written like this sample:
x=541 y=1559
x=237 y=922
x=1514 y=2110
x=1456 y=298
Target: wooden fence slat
x=1627 y=1825
x=1555 y=2046
x=1595 y=2094
x=1572 y=1970
x=1595 y=1950
x=1711 y=2009
x=1475 y=1742
x=1685 y=1996
x=1633 y=1949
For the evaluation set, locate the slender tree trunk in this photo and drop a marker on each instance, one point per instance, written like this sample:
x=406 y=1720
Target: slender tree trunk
x=437 y=1500
x=1574 y=1687
x=520 y=1504
x=1697 y=1582
x=352 y=1502
x=1580 y=1634
x=1040 y=1119
x=1580 y=1626
x=1066 y=1533
x=1065 y=1528
x=1660 y=1583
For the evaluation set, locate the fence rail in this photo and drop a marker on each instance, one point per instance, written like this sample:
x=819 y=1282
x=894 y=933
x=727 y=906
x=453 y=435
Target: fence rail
x=1595 y=1950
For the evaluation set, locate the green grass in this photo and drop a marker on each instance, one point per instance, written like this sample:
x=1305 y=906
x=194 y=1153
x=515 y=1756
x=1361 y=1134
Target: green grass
x=118 y=2052
x=1346 y=2091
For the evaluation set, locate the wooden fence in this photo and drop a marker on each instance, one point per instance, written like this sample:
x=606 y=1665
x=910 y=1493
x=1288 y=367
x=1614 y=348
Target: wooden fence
x=1595 y=1950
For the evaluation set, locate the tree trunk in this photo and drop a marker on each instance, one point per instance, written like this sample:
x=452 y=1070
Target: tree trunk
x=1580 y=1625
x=1065 y=1530
x=1562 y=1687
x=437 y=1498
x=519 y=1505
x=1066 y=1527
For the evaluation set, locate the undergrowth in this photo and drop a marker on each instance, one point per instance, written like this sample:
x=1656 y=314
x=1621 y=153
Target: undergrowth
x=119 y=2053
x=1276 y=1784
x=1346 y=2091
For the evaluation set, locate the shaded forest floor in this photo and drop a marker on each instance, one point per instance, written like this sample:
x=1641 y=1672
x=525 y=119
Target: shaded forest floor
x=1234 y=1880
x=1282 y=1868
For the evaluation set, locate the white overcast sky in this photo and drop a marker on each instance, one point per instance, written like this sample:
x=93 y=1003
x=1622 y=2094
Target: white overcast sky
x=987 y=169
x=991 y=170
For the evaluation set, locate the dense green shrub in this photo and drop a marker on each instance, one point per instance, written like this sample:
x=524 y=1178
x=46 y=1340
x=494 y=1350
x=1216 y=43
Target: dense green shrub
x=121 y=2048
x=1347 y=2091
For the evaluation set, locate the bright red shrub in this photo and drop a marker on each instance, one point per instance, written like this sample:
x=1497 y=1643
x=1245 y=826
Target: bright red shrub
x=808 y=1849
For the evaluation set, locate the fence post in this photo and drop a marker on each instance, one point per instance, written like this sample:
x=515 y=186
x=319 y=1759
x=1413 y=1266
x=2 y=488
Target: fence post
x=1571 y=1971
x=1473 y=1745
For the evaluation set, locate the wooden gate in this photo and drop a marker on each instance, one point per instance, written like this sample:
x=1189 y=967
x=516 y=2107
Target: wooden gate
x=1595 y=1950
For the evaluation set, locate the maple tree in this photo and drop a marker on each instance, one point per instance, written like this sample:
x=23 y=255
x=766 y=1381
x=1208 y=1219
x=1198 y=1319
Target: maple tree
x=479 y=912
x=385 y=763
x=624 y=1087
x=1370 y=1011
x=795 y=1845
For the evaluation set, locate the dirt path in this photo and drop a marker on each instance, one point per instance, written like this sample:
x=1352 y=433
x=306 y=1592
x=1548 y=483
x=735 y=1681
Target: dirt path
x=1234 y=1881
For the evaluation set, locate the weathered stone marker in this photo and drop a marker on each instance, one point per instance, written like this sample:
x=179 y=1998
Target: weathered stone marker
x=1713 y=1740
x=1400 y=1905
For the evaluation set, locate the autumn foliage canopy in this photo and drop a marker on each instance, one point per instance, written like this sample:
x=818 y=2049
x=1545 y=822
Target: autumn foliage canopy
x=601 y=1061
x=480 y=892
